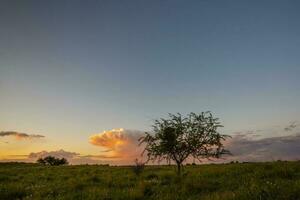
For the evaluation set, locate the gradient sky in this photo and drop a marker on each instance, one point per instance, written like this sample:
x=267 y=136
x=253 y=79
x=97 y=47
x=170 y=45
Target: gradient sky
x=71 y=69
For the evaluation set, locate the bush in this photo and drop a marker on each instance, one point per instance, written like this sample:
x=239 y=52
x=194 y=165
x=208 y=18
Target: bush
x=139 y=167
x=52 y=161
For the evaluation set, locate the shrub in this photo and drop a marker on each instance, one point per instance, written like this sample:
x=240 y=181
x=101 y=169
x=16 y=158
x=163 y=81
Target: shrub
x=139 y=167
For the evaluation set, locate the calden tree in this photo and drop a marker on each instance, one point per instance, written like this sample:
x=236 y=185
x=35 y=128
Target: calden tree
x=178 y=138
x=52 y=161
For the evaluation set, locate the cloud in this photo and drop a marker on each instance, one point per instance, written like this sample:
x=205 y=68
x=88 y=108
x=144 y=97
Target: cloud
x=119 y=143
x=291 y=126
x=72 y=157
x=59 y=154
x=246 y=148
x=20 y=136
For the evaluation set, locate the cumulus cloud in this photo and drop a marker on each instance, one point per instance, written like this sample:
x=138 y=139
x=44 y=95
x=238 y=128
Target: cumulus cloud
x=119 y=143
x=247 y=148
x=19 y=136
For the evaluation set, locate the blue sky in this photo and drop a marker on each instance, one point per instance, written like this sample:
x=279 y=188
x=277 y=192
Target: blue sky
x=69 y=69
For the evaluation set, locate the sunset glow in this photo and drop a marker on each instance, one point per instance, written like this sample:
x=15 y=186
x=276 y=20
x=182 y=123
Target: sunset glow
x=119 y=143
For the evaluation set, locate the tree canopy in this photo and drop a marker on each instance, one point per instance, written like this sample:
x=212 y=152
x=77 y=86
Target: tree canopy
x=52 y=161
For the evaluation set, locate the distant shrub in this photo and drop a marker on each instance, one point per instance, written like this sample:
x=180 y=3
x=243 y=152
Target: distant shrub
x=151 y=177
x=148 y=190
x=166 y=179
x=138 y=168
x=188 y=164
x=52 y=161
x=95 y=179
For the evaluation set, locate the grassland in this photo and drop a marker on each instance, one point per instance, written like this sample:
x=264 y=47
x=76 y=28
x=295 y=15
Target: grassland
x=277 y=180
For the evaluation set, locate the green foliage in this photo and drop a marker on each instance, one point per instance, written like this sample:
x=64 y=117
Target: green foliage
x=52 y=161
x=177 y=138
x=250 y=181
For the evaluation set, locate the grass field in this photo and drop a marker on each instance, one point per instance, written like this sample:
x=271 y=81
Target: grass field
x=277 y=180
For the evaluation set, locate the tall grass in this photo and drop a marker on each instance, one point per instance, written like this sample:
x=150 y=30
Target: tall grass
x=277 y=180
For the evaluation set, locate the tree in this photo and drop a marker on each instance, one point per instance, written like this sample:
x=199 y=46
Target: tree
x=178 y=138
x=41 y=161
x=52 y=161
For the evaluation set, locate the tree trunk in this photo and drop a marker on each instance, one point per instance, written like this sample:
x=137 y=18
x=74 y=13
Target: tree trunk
x=178 y=168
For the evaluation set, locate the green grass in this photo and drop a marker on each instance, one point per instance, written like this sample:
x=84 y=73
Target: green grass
x=277 y=180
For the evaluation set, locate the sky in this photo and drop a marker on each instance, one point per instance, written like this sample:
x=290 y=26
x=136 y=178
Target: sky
x=83 y=79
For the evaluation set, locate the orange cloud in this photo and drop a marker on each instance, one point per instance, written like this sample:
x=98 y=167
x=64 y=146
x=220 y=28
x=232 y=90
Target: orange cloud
x=119 y=143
